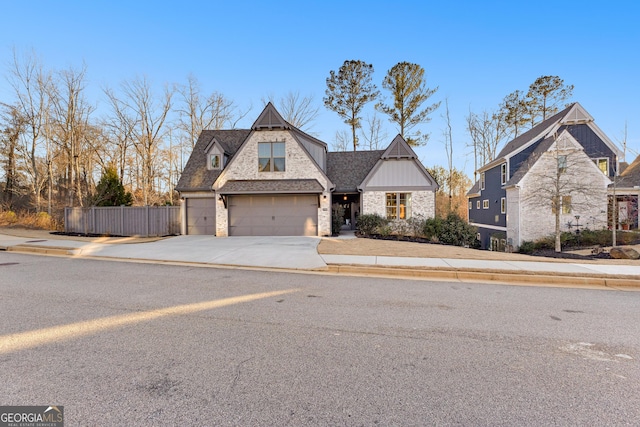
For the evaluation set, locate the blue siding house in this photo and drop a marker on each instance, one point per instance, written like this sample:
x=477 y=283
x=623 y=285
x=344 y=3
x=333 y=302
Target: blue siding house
x=508 y=204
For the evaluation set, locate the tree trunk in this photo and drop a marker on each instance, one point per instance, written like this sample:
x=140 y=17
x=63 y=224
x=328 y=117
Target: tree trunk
x=558 y=245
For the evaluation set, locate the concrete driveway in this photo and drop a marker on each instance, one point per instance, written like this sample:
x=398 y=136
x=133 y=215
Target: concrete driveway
x=275 y=252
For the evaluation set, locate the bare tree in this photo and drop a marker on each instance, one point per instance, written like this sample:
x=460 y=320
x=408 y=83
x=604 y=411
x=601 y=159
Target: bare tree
x=12 y=129
x=448 y=146
x=342 y=141
x=139 y=109
x=488 y=132
x=298 y=111
x=71 y=112
x=563 y=182
x=30 y=83
x=197 y=113
x=373 y=133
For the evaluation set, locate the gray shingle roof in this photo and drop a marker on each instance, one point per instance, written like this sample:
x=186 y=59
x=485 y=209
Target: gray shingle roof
x=196 y=176
x=526 y=137
x=531 y=160
x=348 y=169
x=474 y=190
x=271 y=186
x=631 y=175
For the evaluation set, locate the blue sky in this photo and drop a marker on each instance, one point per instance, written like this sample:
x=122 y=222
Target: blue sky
x=475 y=52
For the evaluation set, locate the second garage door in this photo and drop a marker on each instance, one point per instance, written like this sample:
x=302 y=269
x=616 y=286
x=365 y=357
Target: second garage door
x=201 y=216
x=283 y=215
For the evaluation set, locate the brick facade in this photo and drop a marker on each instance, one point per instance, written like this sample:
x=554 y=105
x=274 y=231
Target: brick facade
x=422 y=203
x=298 y=165
x=583 y=181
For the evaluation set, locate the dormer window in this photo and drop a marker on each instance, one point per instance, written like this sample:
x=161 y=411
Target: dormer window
x=215 y=161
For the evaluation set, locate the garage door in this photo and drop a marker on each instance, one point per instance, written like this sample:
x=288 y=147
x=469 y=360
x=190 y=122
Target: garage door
x=201 y=216
x=290 y=215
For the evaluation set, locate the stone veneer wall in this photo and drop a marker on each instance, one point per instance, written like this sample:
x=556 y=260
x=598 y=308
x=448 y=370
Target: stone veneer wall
x=298 y=165
x=422 y=203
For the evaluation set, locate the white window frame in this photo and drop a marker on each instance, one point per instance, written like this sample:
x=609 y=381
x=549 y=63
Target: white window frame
x=272 y=157
x=503 y=173
x=482 y=181
x=211 y=157
x=597 y=162
x=485 y=204
x=470 y=205
x=399 y=207
x=478 y=204
x=503 y=205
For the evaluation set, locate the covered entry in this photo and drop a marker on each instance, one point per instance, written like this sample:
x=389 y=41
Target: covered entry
x=273 y=215
x=201 y=216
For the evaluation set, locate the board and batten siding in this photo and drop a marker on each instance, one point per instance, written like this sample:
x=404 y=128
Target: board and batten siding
x=394 y=173
x=144 y=221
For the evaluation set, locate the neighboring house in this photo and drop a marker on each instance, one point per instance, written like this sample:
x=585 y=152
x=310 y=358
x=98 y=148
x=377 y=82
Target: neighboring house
x=275 y=179
x=564 y=163
x=627 y=192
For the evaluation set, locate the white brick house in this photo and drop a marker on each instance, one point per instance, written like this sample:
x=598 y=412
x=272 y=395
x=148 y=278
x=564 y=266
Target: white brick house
x=274 y=179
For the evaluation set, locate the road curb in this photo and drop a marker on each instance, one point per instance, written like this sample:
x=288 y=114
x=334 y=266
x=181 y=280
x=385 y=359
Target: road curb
x=39 y=249
x=509 y=277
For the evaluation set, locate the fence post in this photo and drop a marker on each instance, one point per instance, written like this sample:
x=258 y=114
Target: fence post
x=122 y=220
x=93 y=217
x=147 y=221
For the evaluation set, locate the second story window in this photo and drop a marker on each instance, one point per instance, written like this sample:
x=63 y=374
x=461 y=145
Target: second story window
x=562 y=164
x=603 y=165
x=271 y=156
x=503 y=173
x=482 y=181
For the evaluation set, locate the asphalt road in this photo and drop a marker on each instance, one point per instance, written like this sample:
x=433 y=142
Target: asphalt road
x=141 y=344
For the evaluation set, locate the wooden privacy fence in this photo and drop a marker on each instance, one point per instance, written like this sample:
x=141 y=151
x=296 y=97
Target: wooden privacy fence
x=145 y=221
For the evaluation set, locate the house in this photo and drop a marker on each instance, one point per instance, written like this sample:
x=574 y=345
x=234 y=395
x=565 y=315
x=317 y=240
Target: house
x=626 y=190
x=275 y=179
x=564 y=164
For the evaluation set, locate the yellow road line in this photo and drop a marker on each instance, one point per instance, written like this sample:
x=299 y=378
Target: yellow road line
x=55 y=334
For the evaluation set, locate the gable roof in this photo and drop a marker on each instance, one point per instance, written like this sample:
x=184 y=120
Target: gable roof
x=631 y=176
x=196 y=176
x=270 y=119
x=544 y=145
x=347 y=169
x=399 y=149
x=534 y=133
x=475 y=190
